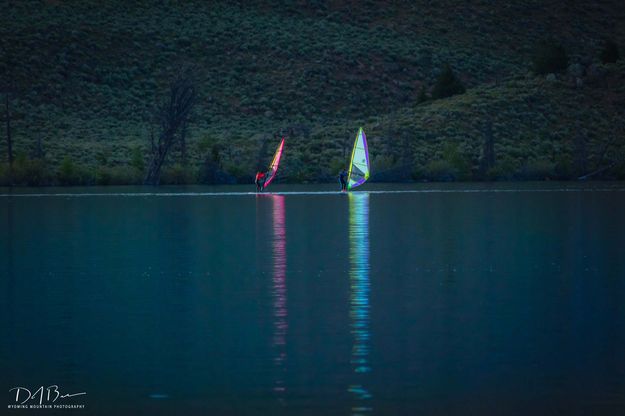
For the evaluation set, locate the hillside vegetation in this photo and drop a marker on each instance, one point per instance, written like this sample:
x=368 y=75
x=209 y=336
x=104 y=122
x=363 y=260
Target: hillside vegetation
x=86 y=76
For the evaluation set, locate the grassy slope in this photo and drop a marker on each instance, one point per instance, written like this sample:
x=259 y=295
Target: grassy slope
x=89 y=75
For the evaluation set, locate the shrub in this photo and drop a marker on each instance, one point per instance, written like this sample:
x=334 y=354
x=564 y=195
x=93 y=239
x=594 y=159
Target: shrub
x=383 y=163
x=505 y=168
x=336 y=164
x=71 y=174
x=31 y=172
x=619 y=170
x=389 y=168
x=440 y=170
x=610 y=52
x=136 y=159
x=5 y=177
x=103 y=157
x=459 y=161
x=103 y=176
x=422 y=97
x=539 y=169
x=210 y=173
x=118 y=175
x=418 y=171
x=447 y=84
x=563 y=166
x=67 y=172
x=549 y=57
x=240 y=173
x=177 y=175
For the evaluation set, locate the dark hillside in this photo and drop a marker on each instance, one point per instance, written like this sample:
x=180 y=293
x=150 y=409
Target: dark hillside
x=87 y=75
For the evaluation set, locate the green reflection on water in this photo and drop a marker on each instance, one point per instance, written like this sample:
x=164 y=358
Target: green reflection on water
x=359 y=298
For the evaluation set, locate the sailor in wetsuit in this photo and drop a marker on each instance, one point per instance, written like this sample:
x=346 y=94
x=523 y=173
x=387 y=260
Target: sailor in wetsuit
x=343 y=180
x=260 y=181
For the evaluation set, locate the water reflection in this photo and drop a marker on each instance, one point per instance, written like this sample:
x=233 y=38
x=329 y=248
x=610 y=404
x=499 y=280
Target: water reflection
x=359 y=299
x=279 y=293
x=9 y=299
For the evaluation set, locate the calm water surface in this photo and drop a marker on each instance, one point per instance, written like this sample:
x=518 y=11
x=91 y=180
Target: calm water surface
x=456 y=299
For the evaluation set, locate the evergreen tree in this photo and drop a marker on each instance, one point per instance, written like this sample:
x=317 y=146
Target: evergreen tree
x=422 y=97
x=447 y=84
x=610 y=52
x=549 y=57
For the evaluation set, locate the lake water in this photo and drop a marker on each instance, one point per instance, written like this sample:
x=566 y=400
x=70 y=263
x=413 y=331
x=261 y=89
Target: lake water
x=438 y=299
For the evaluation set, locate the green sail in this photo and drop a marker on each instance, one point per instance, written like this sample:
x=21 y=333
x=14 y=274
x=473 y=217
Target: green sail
x=359 y=163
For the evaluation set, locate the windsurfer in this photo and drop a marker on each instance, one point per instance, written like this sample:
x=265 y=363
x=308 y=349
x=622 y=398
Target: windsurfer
x=260 y=181
x=343 y=180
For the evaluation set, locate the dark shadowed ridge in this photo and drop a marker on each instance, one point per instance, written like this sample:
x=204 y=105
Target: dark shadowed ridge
x=88 y=75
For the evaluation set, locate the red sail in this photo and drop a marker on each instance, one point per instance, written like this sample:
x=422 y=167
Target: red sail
x=273 y=168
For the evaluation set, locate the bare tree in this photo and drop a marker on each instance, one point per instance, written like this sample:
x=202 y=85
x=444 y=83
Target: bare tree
x=7 y=116
x=39 y=153
x=183 y=144
x=487 y=159
x=262 y=152
x=580 y=153
x=604 y=161
x=172 y=118
x=6 y=86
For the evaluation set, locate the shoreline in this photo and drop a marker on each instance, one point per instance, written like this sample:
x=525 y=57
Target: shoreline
x=315 y=188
